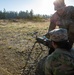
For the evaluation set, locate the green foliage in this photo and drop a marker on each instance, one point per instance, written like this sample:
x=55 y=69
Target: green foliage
x=22 y=15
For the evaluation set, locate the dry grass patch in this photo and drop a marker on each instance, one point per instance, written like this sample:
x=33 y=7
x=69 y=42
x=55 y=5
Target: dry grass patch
x=16 y=41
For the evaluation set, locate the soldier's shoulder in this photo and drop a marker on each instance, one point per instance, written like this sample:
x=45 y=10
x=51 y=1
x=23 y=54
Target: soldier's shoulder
x=55 y=16
x=70 y=8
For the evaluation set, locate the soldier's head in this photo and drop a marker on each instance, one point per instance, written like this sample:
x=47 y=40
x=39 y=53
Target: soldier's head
x=58 y=34
x=59 y=38
x=59 y=6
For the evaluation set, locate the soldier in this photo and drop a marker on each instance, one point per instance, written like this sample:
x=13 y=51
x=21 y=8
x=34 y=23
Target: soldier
x=63 y=18
x=61 y=61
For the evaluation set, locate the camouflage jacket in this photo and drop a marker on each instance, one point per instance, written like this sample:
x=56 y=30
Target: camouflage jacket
x=65 y=19
x=60 y=62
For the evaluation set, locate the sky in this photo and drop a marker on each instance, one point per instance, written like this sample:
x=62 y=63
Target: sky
x=38 y=6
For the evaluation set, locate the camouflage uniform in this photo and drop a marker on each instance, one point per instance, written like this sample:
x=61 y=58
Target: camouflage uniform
x=65 y=21
x=60 y=62
x=40 y=67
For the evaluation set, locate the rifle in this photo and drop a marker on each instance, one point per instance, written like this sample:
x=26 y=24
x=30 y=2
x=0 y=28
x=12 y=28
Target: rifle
x=40 y=40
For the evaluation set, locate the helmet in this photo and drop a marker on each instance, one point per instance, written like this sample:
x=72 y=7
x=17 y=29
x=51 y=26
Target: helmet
x=58 y=4
x=58 y=34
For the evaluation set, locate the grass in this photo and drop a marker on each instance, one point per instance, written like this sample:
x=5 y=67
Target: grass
x=16 y=41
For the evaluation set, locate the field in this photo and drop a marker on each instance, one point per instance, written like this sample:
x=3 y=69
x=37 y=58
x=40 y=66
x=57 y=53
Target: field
x=16 y=41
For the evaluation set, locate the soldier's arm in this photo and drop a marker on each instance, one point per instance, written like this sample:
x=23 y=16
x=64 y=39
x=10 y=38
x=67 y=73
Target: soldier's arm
x=51 y=26
x=53 y=21
x=53 y=65
x=48 y=67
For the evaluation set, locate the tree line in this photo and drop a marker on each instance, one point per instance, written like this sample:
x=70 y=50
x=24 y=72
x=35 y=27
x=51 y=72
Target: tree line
x=21 y=15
